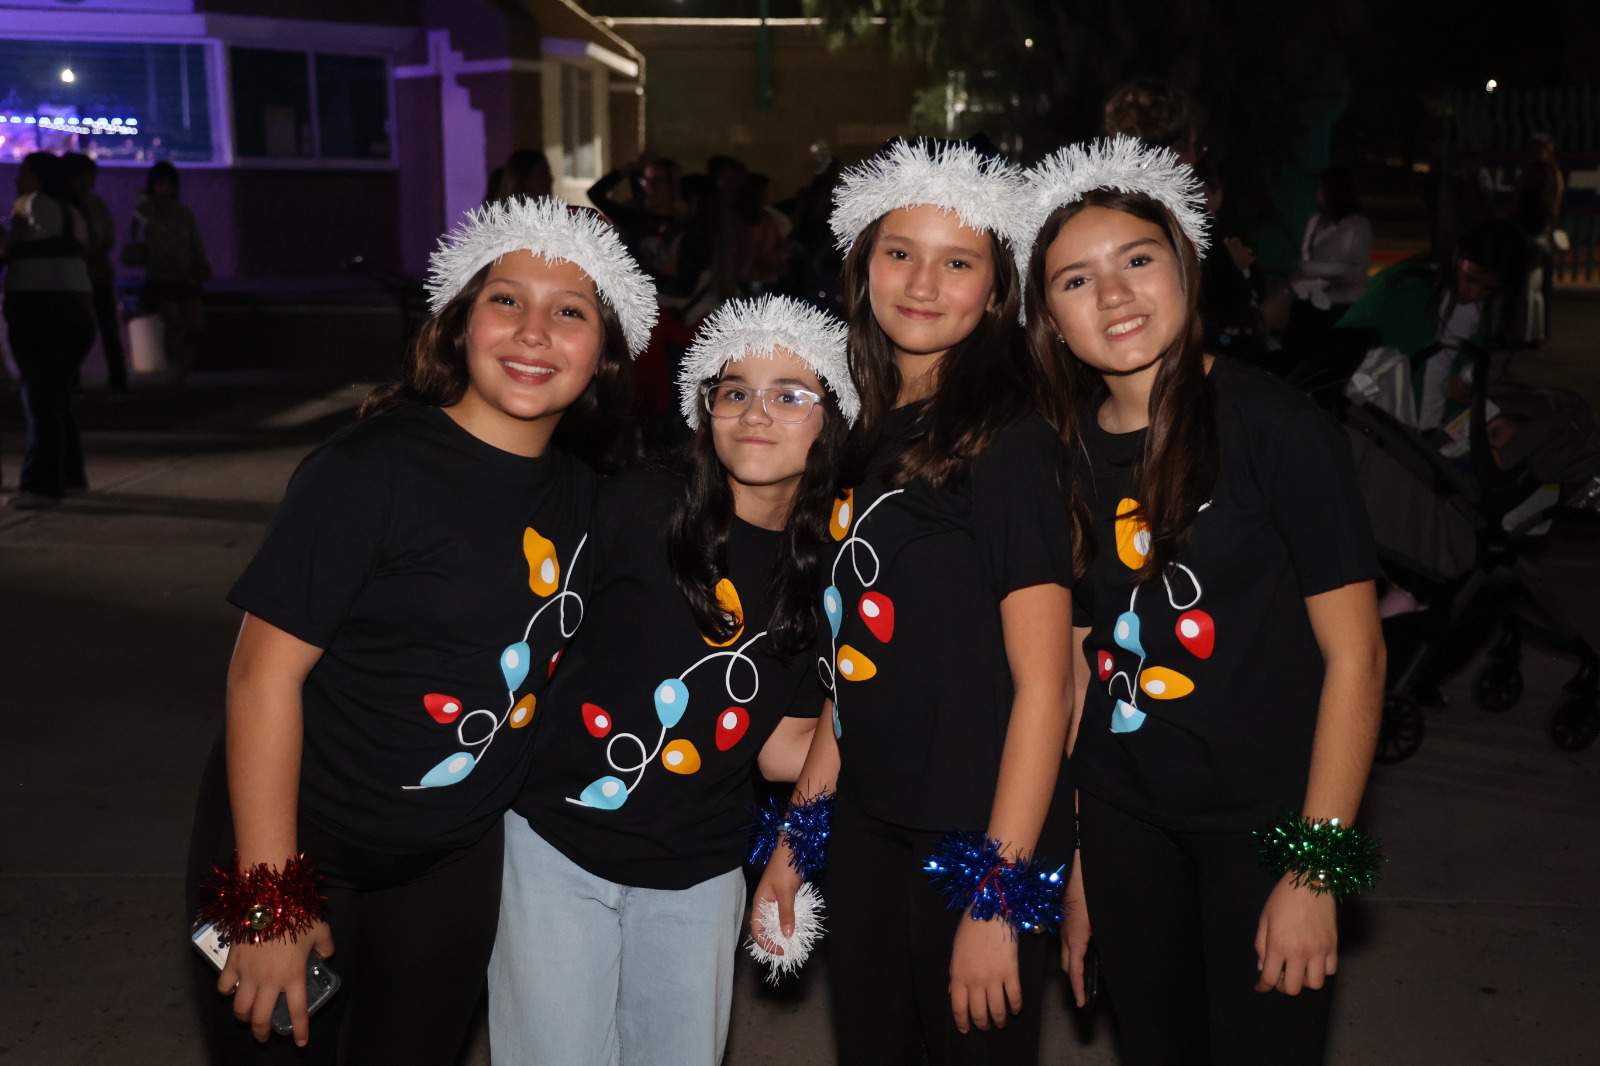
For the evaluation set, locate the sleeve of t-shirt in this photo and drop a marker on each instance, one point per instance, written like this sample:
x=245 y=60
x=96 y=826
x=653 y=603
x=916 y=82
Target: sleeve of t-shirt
x=1317 y=506
x=1020 y=514
x=807 y=694
x=322 y=547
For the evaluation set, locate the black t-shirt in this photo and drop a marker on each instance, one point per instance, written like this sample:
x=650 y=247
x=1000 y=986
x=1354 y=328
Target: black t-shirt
x=440 y=576
x=1204 y=686
x=923 y=690
x=648 y=738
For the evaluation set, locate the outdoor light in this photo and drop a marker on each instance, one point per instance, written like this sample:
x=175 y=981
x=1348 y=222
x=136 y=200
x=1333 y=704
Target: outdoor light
x=1491 y=86
x=1027 y=42
x=67 y=75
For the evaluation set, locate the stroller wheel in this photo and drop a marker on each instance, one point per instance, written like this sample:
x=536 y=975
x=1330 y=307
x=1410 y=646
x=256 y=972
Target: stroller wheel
x=1401 y=731
x=1498 y=686
x=1576 y=722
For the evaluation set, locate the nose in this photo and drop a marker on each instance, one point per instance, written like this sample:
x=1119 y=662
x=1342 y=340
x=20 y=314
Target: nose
x=532 y=329
x=1114 y=291
x=756 y=413
x=923 y=283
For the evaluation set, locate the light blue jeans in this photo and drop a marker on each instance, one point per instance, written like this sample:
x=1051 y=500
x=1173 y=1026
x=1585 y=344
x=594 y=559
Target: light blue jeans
x=587 y=972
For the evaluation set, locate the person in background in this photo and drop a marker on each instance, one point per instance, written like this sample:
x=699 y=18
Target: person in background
x=1157 y=114
x=49 y=313
x=166 y=243
x=762 y=236
x=527 y=173
x=81 y=174
x=652 y=217
x=1227 y=299
x=1540 y=190
x=1336 y=250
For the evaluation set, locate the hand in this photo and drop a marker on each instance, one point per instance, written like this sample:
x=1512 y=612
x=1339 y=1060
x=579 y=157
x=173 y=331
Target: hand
x=1297 y=939
x=1075 y=932
x=1242 y=254
x=984 y=981
x=257 y=974
x=780 y=881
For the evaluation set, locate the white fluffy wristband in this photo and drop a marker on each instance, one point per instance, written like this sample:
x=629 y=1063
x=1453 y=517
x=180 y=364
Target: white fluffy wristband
x=796 y=947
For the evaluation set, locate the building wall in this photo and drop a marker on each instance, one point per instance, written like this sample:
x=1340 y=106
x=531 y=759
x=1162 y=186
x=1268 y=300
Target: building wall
x=704 y=85
x=377 y=12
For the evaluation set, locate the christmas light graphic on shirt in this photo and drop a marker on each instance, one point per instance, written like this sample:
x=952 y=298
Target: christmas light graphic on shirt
x=1195 y=629
x=671 y=701
x=876 y=610
x=516 y=661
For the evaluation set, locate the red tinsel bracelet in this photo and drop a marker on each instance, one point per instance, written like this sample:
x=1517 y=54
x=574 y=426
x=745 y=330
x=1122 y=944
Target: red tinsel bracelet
x=262 y=903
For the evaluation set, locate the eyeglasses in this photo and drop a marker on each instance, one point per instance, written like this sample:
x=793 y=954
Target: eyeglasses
x=782 y=403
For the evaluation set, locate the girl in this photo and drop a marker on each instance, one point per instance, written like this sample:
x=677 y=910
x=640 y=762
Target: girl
x=622 y=876
x=1227 y=635
x=49 y=308
x=425 y=568
x=165 y=242
x=948 y=606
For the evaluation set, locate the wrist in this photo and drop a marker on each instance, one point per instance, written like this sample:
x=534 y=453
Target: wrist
x=978 y=880
x=1323 y=856
x=259 y=903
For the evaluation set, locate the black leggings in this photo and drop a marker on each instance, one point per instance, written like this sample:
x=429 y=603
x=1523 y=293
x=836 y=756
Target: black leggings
x=889 y=943
x=1174 y=917
x=411 y=934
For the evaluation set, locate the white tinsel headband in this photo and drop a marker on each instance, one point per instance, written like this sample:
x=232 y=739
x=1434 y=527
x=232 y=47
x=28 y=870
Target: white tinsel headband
x=552 y=231
x=986 y=193
x=743 y=329
x=1124 y=164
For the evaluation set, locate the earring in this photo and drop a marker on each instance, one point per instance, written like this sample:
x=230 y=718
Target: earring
x=1060 y=339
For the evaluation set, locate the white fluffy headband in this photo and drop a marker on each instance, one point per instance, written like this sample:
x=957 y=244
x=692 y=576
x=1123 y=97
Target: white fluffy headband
x=985 y=193
x=1125 y=164
x=552 y=231
x=742 y=329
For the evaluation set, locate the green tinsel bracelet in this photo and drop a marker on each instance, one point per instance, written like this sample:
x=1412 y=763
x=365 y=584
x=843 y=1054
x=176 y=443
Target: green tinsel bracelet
x=1323 y=855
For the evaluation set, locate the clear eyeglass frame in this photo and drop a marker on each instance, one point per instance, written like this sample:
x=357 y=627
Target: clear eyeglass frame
x=780 y=413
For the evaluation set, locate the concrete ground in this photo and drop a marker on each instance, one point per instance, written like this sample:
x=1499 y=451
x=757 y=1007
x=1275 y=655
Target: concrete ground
x=1478 y=948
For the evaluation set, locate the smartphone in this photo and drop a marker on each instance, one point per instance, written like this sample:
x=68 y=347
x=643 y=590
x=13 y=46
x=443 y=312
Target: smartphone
x=1091 y=974
x=321 y=982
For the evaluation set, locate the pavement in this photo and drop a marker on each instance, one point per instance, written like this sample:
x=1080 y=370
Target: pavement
x=1478 y=948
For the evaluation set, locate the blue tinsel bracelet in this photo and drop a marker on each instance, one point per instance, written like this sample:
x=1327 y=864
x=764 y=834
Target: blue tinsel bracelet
x=971 y=872
x=804 y=827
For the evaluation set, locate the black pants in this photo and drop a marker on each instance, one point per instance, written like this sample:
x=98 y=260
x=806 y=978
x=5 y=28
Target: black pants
x=50 y=333
x=889 y=943
x=412 y=935
x=1174 y=917
x=105 y=315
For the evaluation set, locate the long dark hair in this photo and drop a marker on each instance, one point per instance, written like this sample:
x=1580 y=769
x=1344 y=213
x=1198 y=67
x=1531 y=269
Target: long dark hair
x=1177 y=469
x=697 y=536
x=1339 y=194
x=596 y=427
x=985 y=382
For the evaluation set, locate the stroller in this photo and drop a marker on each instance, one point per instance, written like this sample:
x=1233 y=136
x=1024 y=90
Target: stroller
x=1463 y=538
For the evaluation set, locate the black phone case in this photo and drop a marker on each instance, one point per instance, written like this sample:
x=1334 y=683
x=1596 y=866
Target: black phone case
x=321 y=983
x=1091 y=974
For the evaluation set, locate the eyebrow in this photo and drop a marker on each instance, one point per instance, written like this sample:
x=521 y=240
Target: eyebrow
x=952 y=249
x=1124 y=250
x=517 y=283
x=787 y=382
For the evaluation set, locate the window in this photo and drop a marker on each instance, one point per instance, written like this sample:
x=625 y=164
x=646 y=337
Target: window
x=116 y=101
x=579 y=146
x=310 y=106
x=271 y=104
x=353 y=107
